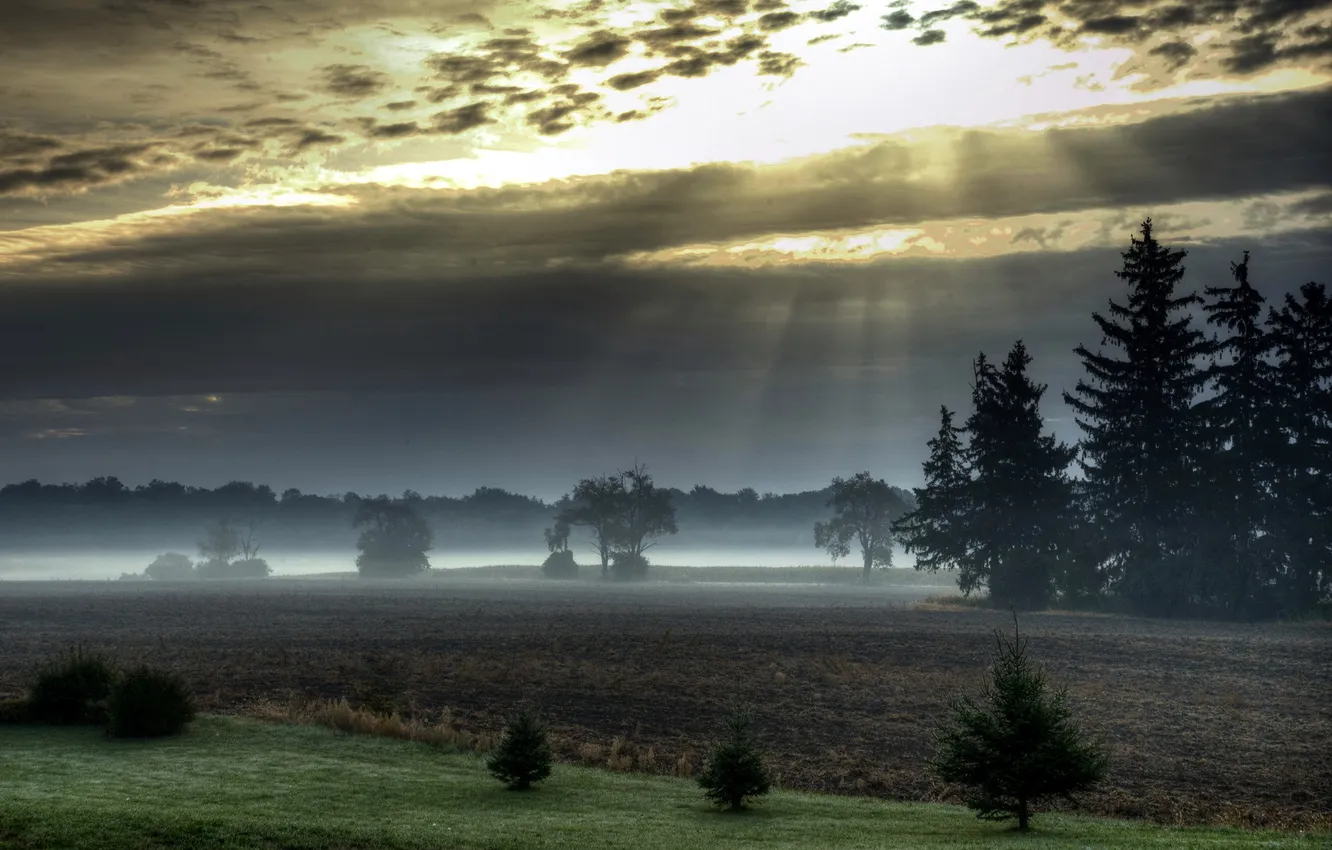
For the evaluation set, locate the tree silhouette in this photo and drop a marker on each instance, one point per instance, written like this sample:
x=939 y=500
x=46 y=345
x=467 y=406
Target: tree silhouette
x=646 y=513
x=1141 y=435
x=1243 y=434
x=1020 y=502
x=596 y=506
x=394 y=539
x=1301 y=336
x=221 y=543
x=936 y=531
x=862 y=513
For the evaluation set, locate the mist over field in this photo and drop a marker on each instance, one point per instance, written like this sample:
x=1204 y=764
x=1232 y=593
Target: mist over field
x=91 y=565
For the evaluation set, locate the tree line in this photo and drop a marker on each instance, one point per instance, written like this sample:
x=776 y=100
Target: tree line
x=105 y=509
x=1202 y=484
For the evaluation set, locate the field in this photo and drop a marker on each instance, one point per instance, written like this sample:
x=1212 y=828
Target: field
x=230 y=783
x=1208 y=723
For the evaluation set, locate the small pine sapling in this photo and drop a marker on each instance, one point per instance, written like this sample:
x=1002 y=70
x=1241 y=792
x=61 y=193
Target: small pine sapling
x=735 y=772
x=1018 y=744
x=523 y=755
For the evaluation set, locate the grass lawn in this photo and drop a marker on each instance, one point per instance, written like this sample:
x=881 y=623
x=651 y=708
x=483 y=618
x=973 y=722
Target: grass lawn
x=231 y=783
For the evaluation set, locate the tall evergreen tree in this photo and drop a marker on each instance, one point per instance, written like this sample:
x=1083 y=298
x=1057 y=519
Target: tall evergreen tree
x=935 y=532
x=1142 y=440
x=1301 y=333
x=1021 y=500
x=1243 y=445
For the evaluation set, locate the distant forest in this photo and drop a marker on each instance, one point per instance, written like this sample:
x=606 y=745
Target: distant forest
x=104 y=512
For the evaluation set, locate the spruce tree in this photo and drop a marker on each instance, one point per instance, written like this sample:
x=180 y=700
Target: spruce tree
x=1018 y=745
x=735 y=771
x=1142 y=443
x=1021 y=501
x=523 y=755
x=935 y=532
x=1243 y=433
x=1301 y=335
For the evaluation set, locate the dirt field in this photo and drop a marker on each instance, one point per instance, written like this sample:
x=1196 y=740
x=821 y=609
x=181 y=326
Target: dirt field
x=1207 y=722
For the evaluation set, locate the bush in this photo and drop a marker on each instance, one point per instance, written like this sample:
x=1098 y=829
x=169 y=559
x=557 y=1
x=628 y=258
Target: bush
x=1018 y=745
x=523 y=755
x=72 y=689
x=626 y=566
x=560 y=565
x=171 y=566
x=148 y=703
x=735 y=771
x=245 y=568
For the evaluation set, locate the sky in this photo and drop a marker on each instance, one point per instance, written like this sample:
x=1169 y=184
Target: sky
x=374 y=245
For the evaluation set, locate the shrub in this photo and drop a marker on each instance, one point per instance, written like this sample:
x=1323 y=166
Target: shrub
x=560 y=565
x=171 y=566
x=148 y=703
x=523 y=755
x=1018 y=745
x=71 y=689
x=735 y=771
x=627 y=566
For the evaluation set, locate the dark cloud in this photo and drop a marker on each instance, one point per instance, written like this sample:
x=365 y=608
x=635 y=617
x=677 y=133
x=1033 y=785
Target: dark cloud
x=722 y=8
x=836 y=11
x=1176 y=53
x=1043 y=236
x=777 y=64
x=353 y=80
x=490 y=88
x=1318 y=205
x=462 y=119
x=552 y=120
x=524 y=97
x=440 y=94
x=218 y=154
x=307 y=139
x=898 y=20
x=77 y=170
x=397 y=130
x=400 y=105
x=599 y=49
x=25 y=148
x=625 y=82
x=1112 y=25
x=1256 y=35
x=929 y=37
x=663 y=39
x=1256 y=146
x=777 y=21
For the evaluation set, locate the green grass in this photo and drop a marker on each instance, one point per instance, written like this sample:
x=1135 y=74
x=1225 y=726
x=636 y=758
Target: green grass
x=231 y=783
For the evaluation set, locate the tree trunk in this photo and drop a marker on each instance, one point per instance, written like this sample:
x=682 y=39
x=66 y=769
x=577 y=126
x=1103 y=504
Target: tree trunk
x=869 y=563
x=1024 y=816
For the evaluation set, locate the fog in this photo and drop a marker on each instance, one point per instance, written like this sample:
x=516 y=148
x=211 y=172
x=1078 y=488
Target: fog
x=86 y=565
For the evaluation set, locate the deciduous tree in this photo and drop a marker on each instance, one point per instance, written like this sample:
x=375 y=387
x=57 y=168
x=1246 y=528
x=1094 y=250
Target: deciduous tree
x=394 y=539
x=863 y=513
